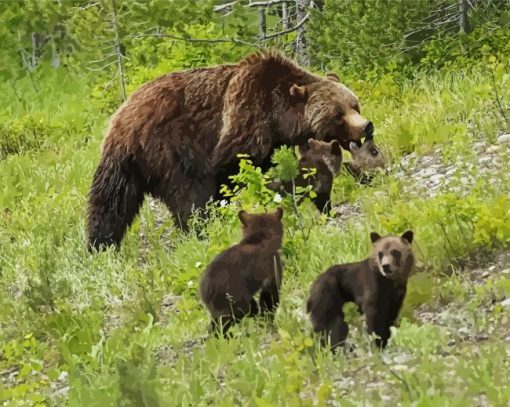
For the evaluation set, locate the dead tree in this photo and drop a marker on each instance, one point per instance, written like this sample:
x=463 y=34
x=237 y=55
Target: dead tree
x=262 y=22
x=285 y=16
x=303 y=7
x=465 y=26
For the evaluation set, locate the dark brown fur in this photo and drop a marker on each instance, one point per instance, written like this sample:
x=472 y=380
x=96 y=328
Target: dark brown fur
x=326 y=159
x=230 y=282
x=177 y=137
x=378 y=296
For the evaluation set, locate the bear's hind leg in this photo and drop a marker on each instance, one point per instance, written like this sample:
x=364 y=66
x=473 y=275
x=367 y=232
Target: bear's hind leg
x=339 y=332
x=115 y=198
x=254 y=308
x=182 y=196
x=269 y=300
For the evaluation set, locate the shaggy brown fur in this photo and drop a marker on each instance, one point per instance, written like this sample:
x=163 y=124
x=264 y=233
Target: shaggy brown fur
x=232 y=279
x=326 y=158
x=376 y=285
x=366 y=160
x=178 y=136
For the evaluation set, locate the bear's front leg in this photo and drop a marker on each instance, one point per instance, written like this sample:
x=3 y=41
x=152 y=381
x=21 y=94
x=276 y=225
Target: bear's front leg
x=394 y=307
x=377 y=323
x=323 y=202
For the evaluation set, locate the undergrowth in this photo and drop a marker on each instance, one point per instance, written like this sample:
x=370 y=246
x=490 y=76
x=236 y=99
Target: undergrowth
x=93 y=327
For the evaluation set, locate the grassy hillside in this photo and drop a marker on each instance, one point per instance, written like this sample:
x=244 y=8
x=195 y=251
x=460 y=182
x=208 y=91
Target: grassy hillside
x=93 y=329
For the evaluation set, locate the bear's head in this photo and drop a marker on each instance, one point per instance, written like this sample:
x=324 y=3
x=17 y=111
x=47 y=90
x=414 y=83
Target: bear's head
x=331 y=111
x=264 y=229
x=366 y=158
x=320 y=151
x=393 y=255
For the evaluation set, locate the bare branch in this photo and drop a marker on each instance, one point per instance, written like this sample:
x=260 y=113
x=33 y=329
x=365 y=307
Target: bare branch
x=295 y=28
x=265 y=3
x=206 y=40
x=222 y=7
x=104 y=66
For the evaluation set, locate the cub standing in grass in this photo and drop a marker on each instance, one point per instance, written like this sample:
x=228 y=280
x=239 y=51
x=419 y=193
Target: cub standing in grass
x=377 y=285
x=233 y=278
x=326 y=158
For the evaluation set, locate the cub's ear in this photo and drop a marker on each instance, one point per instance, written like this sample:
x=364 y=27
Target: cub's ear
x=312 y=143
x=408 y=236
x=374 y=237
x=335 y=148
x=243 y=217
x=279 y=213
x=333 y=77
x=353 y=146
x=298 y=92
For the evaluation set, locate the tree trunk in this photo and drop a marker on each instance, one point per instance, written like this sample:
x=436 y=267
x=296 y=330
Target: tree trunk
x=285 y=16
x=119 y=51
x=303 y=6
x=262 y=22
x=465 y=26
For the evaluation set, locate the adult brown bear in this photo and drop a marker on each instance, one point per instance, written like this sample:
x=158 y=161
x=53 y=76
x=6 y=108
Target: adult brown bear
x=177 y=137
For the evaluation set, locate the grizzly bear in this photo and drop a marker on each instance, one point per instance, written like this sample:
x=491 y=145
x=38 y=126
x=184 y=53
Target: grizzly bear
x=178 y=136
x=377 y=285
x=365 y=161
x=326 y=159
x=232 y=279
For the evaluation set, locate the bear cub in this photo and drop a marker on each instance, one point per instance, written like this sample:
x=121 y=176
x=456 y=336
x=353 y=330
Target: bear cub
x=377 y=285
x=326 y=158
x=230 y=282
x=365 y=160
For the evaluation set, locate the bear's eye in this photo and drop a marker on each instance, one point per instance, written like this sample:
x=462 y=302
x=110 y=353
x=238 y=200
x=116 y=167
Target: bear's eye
x=381 y=255
x=396 y=255
x=340 y=115
x=374 y=152
x=356 y=107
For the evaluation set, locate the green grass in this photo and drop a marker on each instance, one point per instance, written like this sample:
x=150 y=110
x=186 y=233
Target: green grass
x=98 y=319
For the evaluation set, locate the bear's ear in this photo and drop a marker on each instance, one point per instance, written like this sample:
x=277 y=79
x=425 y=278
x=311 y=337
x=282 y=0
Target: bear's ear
x=279 y=213
x=313 y=144
x=333 y=77
x=374 y=237
x=408 y=236
x=335 y=148
x=243 y=217
x=298 y=92
x=353 y=146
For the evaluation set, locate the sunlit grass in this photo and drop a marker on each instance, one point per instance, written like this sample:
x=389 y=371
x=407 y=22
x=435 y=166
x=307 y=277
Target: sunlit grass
x=99 y=317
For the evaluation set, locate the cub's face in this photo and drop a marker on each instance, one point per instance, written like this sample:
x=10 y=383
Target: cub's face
x=393 y=255
x=264 y=226
x=320 y=151
x=332 y=111
x=368 y=157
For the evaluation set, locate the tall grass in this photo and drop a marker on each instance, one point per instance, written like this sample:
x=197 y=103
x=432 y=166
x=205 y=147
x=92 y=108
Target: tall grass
x=99 y=317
